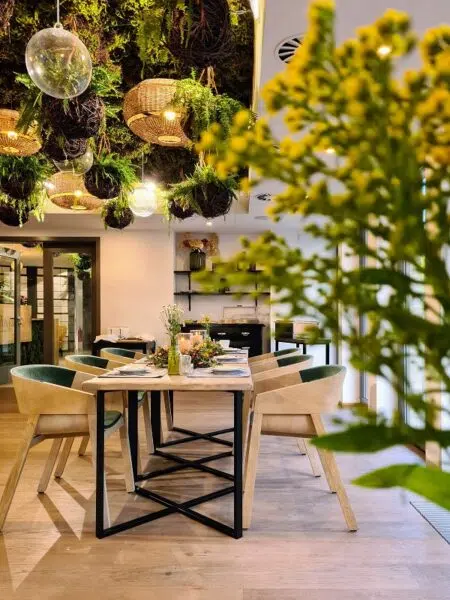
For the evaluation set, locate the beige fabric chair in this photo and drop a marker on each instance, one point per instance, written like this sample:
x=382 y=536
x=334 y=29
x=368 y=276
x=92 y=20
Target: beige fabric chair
x=276 y=354
x=295 y=411
x=121 y=355
x=272 y=363
x=56 y=408
x=96 y=365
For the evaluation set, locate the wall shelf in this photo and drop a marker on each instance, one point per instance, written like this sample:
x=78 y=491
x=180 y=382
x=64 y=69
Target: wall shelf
x=190 y=292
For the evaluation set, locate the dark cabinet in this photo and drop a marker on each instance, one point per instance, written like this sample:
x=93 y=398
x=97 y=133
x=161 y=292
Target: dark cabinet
x=241 y=335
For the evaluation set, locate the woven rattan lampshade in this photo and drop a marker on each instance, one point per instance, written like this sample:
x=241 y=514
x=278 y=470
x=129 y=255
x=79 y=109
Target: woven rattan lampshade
x=13 y=142
x=67 y=190
x=144 y=108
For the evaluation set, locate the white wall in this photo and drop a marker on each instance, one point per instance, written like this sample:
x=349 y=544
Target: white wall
x=136 y=274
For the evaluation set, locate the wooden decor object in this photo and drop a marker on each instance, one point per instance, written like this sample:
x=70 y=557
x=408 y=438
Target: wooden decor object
x=13 y=142
x=69 y=192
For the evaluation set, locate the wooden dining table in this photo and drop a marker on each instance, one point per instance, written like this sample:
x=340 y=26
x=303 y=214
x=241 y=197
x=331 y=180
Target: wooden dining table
x=212 y=384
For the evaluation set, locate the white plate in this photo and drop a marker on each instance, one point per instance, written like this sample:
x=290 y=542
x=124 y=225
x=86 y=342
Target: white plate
x=133 y=369
x=228 y=370
x=231 y=358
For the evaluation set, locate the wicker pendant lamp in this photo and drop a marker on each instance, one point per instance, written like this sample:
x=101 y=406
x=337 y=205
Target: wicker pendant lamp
x=13 y=142
x=67 y=190
x=149 y=113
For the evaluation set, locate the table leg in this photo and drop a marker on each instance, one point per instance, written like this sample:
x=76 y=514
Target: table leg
x=327 y=354
x=100 y=466
x=238 y=398
x=133 y=434
x=171 y=405
x=277 y=345
x=305 y=348
x=156 y=417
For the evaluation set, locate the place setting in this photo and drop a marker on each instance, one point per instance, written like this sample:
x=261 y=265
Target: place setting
x=135 y=370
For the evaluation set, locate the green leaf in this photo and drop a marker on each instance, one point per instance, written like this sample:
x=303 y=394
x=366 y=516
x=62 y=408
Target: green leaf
x=430 y=483
x=361 y=438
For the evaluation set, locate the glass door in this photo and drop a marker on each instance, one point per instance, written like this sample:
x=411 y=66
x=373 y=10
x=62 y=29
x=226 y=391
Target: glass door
x=10 y=313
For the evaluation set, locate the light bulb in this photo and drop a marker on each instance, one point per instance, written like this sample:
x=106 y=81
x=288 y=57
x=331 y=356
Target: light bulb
x=49 y=185
x=13 y=135
x=208 y=223
x=330 y=151
x=170 y=115
x=384 y=51
x=143 y=201
x=78 y=193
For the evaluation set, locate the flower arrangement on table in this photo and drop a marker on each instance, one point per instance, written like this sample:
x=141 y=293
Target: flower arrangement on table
x=172 y=319
x=203 y=355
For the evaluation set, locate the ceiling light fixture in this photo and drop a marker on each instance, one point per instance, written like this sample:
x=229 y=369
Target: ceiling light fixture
x=170 y=115
x=209 y=223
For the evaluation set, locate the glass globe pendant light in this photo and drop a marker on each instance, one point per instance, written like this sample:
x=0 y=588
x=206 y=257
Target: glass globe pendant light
x=144 y=198
x=58 y=62
x=79 y=166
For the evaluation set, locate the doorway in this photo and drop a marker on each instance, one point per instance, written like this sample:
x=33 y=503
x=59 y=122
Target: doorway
x=58 y=283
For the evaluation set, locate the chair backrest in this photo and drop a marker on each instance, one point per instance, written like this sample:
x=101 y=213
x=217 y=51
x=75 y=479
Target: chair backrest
x=95 y=365
x=49 y=389
x=284 y=375
x=276 y=354
x=122 y=355
x=272 y=362
x=319 y=391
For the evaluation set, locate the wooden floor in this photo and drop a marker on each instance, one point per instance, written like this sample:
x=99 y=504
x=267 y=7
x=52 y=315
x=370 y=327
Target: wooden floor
x=297 y=548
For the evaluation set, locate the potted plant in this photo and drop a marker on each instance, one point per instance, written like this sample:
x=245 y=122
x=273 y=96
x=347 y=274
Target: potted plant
x=198 y=249
x=117 y=214
x=205 y=193
x=20 y=176
x=82 y=264
x=110 y=176
x=59 y=148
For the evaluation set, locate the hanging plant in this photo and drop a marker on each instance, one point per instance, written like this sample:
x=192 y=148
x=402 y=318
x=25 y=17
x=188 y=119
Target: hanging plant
x=178 y=212
x=117 y=214
x=204 y=193
x=199 y=35
x=22 y=177
x=203 y=107
x=80 y=117
x=82 y=264
x=170 y=165
x=12 y=214
x=60 y=148
x=110 y=176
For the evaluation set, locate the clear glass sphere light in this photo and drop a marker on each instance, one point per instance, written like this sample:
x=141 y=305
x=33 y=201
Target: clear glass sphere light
x=79 y=166
x=144 y=200
x=58 y=62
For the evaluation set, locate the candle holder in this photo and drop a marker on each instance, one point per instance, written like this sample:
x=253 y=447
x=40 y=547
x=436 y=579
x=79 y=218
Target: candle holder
x=184 y=343
x=198 y=336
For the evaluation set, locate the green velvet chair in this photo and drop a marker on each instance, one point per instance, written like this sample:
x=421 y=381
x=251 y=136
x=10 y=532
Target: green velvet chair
x=295 y=410
x=57 y=408
x=98 y=365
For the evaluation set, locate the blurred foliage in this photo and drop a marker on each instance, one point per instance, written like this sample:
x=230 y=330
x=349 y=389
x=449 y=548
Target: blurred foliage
x=367 y=164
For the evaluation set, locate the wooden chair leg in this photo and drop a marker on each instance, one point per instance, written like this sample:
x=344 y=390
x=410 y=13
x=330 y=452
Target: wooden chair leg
x=148 y=424
x=83 y=446
x=49 y=466
x=330 y=466
x=126 y=454
x=93 y=435
x=14 y=476
x=301 y=446
x=328 y=474
x=246 y=408
x=250 y=471
x=64 y=457
x=313 y=458
x=168 y=411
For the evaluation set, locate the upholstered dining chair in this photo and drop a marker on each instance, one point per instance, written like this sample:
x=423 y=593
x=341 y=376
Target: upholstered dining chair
x=296 y=411
x=56 y=408
x=97 y=365
x=272 y=362
x=276 y=354
x=121 y=355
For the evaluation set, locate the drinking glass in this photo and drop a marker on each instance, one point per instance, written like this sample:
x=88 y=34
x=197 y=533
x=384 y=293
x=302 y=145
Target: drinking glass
x=185 y=364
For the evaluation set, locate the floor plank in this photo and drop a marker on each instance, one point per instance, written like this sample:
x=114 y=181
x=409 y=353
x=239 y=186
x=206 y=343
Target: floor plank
x=298 y=546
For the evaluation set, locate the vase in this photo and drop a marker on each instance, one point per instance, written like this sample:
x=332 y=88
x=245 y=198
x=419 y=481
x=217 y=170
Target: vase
x=173 y=360
x=197 y=260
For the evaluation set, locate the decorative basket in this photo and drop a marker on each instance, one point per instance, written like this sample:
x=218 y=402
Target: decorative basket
x=100 y=186
x=143 y=110
x=13 y=142
x=67 y=191
x=111 y=220
x=10 y=216
x=213 y=200
x=206 y=38
x=81 y=118
x=60 y=148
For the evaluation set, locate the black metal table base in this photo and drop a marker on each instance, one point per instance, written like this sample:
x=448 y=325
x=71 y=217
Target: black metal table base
x=171 y=507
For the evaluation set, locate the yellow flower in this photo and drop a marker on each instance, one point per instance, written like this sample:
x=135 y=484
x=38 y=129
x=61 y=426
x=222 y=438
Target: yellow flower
x=207 y=140
x=356 y=109
x=242 y=118
x=246 y=185
x=238 y=144
x=353 y=86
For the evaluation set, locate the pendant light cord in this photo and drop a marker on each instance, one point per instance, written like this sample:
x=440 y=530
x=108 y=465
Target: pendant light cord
x=58 y=14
